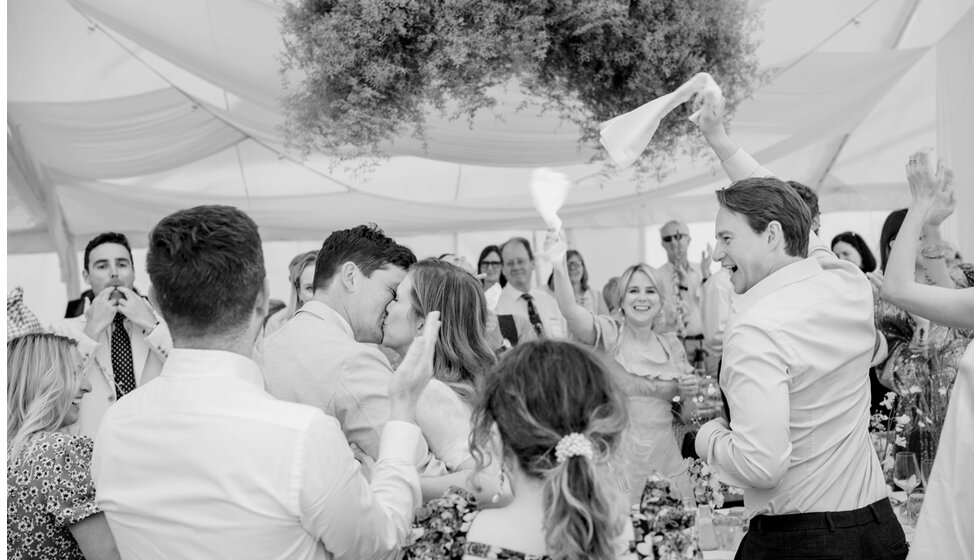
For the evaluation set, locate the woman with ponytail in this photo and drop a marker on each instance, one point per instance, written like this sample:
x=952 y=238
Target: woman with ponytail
x=551 y=413
x=51 y=511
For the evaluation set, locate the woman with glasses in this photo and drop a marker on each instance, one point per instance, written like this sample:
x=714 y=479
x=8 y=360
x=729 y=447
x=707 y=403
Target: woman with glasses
x=51 y=511
x=585 y=296
x=490 y=264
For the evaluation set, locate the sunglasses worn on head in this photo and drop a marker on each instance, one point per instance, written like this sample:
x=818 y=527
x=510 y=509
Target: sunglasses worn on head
x=675 y=237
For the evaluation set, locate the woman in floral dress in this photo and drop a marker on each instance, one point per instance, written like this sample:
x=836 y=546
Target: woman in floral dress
x=553 y=412
x=51 y=511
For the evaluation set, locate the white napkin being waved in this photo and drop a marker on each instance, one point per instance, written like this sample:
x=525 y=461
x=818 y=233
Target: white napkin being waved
x=626 y=136
x=549 y=190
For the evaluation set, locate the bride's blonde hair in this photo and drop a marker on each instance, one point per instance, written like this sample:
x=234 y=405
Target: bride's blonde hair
x=43 y=378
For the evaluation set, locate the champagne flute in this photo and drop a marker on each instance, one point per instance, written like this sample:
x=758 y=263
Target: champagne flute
x=906 y=475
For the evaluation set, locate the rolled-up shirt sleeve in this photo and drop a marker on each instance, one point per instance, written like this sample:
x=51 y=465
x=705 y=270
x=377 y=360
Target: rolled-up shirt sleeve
x=755 y=452
x=741 y=165
x=352 y=517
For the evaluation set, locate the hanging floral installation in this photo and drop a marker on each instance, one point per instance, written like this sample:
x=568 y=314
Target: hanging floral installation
x=375 y=70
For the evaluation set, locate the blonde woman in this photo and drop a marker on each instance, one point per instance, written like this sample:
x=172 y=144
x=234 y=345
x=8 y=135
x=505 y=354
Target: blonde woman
x=648 y=364
x=301 y=270
x=51 y=511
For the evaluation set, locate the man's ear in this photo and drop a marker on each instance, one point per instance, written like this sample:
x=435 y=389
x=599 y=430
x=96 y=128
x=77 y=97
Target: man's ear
x=85 y=277
x=262 y=299
x=774 y=234
x=350 y=275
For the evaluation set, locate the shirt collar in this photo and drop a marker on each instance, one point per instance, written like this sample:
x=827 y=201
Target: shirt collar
x=512 y=292
x=212 y=363
x=794 y=272
x=327 y=313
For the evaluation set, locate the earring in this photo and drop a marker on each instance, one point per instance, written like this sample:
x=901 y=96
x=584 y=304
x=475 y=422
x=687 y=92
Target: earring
x=503 y=480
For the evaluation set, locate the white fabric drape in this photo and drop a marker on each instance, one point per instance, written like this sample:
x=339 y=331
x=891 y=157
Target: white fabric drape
x=104 y=142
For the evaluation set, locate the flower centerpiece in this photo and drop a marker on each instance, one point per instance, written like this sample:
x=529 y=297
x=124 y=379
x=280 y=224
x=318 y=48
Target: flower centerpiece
x=662 y=527
x=708 y=488
x=376 y=70
x=888 y=433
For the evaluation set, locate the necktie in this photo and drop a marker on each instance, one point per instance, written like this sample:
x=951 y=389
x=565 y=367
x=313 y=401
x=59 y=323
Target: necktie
x=122 y=357
x=532 y=314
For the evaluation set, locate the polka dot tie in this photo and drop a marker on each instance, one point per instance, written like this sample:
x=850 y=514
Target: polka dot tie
x=532 y=314
x=122 y=357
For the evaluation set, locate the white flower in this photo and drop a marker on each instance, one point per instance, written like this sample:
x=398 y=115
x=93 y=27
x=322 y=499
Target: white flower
x=902 y=420
x=900 y=441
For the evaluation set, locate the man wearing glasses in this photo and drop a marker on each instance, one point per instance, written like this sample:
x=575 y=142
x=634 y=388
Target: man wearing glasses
x=685 y=278
x=520 y=299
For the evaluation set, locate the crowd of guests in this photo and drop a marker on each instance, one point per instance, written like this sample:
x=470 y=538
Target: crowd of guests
x=397 y=407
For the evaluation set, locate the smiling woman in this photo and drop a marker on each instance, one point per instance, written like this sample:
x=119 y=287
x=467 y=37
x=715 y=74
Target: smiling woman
x=648 y=366
x=50 y=496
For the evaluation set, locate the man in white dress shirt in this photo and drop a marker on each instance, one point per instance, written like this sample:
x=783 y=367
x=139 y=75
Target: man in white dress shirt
x=122 y=341
x=796 y=352
x=521 y=299
x=684 y=278
x=204 y=463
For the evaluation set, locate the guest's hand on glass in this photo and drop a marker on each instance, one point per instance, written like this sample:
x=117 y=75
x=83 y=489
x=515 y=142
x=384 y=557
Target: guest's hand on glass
x=689 y=385
x=415 y=371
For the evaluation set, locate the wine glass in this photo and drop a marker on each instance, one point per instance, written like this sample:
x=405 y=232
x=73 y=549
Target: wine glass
x=906 y=475
x=926 y=471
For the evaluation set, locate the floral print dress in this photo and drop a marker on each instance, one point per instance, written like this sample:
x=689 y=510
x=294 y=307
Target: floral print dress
x=49 y=489
x=662 y=529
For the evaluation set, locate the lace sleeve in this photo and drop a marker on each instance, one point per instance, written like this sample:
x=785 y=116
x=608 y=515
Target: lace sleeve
x=662 y=528
x=440 y=527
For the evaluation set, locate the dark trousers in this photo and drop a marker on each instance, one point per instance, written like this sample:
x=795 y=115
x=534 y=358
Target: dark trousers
x=869 y=533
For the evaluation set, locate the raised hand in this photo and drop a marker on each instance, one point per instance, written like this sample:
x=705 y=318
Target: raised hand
x=706 y=261
x=555 y=248
x=136 y=309
x=100 y=314
x=414 y=372
x=930 y=189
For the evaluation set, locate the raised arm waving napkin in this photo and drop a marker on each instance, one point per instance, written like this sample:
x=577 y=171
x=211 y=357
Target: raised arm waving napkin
x=626 y=136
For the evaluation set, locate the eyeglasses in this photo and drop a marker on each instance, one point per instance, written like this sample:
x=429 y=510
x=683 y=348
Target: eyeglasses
x=675 y=237
x=492 y=264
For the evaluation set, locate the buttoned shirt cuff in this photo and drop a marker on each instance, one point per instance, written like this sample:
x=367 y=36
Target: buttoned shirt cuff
x=402 y=441
x=159 y=340
x=705 y=440
x=741 y=165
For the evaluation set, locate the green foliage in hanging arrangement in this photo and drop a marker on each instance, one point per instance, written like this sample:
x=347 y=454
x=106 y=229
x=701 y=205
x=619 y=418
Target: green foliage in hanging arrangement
x=372 y=70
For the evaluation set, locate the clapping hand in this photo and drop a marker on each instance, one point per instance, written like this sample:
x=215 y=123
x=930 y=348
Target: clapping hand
x=415 y=371
x=933 y=190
